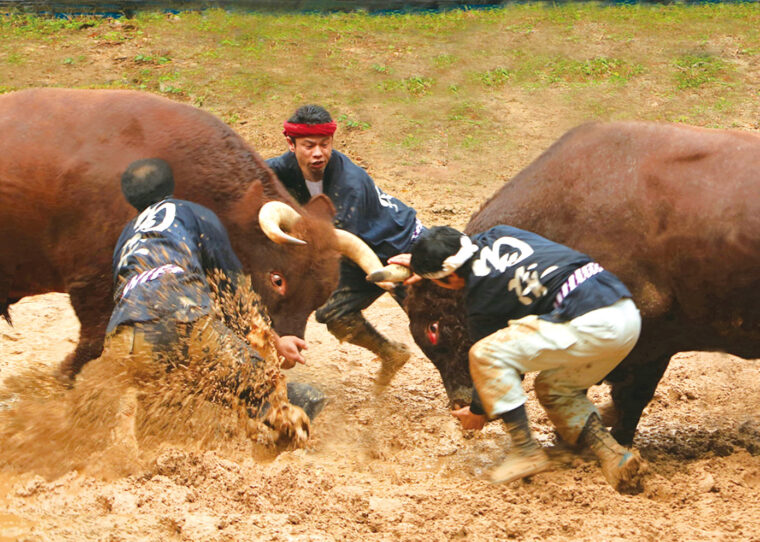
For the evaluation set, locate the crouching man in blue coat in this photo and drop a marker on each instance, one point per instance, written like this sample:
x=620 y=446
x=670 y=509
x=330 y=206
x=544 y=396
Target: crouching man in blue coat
x=535 y=305
x=163 y=300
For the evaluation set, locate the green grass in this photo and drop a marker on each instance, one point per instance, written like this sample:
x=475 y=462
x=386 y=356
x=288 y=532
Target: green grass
x=416 y=87
x=494 y=77
x=697 y=70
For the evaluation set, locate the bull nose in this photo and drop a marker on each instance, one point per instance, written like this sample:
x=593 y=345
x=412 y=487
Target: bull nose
x=289 y=326
x=461 y=396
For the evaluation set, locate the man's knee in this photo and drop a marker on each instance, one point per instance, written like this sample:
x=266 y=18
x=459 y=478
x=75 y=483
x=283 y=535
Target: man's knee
x=334 y=308
x=477 y=357
x=345 y=326
x=487 y=361
x=546 y=391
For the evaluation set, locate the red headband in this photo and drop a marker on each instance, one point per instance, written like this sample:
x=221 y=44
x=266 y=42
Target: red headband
x=300 y=130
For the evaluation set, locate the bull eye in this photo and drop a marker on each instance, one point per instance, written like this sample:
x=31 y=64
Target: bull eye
x=278 y=282
x=432 y=333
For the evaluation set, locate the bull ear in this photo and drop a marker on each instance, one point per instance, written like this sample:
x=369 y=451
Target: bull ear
x=320 y=206
x=245 y=211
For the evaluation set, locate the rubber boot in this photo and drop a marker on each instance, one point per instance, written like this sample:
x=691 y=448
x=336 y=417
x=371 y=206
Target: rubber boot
x=621 y=467
x=526 y=457
x=609 y=414
x=308 y=398
x=353 y=328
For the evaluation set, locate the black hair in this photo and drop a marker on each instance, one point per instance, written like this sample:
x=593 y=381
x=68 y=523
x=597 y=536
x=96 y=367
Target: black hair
x=310 y=114
x=146 y=182
x=433 y=247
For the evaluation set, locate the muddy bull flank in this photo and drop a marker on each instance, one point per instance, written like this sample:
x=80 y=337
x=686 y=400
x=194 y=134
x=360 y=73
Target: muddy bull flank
x=673 y=211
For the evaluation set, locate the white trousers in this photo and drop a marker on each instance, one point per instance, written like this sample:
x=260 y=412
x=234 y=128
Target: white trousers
x=571 y=357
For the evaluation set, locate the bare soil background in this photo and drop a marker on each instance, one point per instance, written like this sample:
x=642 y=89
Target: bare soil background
x=398 y=467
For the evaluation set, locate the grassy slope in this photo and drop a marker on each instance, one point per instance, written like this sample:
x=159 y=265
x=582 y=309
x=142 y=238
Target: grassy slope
x=460 y=100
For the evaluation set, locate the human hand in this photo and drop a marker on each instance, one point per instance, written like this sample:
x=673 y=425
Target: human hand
x=468 y=419
x=289 y=347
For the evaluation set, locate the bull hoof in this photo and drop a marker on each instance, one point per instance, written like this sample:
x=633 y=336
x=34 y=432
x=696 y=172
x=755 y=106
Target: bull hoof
x=309 y=398
x=70 y=367
x=518 y=466
x=65 y=372
x=392 y=362
x=623 y=436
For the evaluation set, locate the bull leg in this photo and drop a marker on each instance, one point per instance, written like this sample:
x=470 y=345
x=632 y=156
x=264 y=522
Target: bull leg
x=92 y=305
x=633 y=386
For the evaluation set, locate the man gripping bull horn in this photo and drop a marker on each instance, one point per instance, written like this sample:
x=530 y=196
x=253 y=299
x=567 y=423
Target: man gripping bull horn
x=534 y=305
x=385 y=224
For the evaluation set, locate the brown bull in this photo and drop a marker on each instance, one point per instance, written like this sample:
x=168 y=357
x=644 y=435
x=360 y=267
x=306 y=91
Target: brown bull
x=62 y=153
x=674 y=211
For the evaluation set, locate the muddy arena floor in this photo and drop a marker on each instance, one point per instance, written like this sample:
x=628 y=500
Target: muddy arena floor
x=398 y=467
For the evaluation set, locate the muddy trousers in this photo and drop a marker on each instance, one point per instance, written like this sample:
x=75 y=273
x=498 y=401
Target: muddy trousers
x=570 y=357
x=229 y=359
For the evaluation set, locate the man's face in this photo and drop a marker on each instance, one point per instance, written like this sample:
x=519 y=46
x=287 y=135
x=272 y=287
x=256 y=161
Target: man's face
x=312 y=154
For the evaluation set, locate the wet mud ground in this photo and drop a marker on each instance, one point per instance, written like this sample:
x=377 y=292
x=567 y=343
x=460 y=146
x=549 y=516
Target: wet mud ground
x=396 y=467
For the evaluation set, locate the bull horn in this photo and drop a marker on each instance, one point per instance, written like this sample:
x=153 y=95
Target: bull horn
x=273 y=216
x=390 y=273
x=357 y=250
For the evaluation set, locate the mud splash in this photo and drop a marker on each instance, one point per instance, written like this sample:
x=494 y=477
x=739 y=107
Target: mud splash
x=121 y=412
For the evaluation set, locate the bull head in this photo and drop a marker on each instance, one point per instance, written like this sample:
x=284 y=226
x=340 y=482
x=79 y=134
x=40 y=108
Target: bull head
x=295 y=274
x=436 y=320
x=304 y=240
x=437 y=324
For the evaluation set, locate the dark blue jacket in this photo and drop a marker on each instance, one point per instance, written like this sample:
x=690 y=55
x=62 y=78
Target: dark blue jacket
x=161 y=261
x=516 y=273
x=386 y=224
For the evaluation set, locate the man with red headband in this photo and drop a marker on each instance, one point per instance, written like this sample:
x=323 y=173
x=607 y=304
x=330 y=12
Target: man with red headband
x=389 y=227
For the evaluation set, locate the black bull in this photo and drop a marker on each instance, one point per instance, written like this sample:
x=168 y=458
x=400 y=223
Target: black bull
x=673 y=211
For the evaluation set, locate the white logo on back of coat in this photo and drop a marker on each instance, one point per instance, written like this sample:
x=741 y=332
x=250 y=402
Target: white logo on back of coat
x=490 y=257
x=147 y=221
x=149 y=218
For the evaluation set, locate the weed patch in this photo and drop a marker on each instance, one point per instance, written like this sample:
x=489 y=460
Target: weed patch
x=697 y=70
x=494 y=77
x=353 y=124
x=415 y=86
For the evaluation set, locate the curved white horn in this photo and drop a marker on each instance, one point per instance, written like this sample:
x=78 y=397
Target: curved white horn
x=390 y=273
x=273 y=216
x=358 y=251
